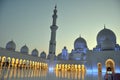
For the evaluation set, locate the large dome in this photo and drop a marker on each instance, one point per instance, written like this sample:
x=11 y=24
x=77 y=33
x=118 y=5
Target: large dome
x=107 y=45
x=80 y=43
x=11 y=45
x=24 y=49
x=106 y=34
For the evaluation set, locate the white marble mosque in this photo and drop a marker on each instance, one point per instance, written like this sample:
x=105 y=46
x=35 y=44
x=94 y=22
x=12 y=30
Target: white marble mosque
x=106 y=54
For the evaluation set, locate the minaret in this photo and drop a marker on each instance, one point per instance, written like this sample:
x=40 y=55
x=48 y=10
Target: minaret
x=53 y=27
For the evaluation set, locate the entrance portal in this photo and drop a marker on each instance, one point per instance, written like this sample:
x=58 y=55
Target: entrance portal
x=110 y=66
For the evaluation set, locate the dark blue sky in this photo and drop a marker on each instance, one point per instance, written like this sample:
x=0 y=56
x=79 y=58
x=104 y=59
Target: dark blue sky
x=28 y=21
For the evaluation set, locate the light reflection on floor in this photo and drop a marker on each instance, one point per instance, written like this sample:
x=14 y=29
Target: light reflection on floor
x=70 y=74
x=14 y=74
x=23 y=74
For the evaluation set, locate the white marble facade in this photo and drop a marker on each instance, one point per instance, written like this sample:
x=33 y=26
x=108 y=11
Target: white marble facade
x=105 y=54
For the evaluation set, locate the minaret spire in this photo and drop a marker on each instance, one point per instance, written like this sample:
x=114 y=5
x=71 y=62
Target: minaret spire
x=54 y=15
x=53 y=27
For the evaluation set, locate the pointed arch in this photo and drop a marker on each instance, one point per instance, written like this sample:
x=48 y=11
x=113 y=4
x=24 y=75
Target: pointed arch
x=0 y=58
x=3 y=59
x=110 y=64
x=99 y=67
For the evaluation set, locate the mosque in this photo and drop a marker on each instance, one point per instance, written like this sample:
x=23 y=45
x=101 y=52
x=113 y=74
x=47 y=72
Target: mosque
x=103 y=56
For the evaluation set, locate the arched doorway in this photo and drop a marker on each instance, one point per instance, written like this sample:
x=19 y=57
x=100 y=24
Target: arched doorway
x=99 y=67
x=3 y=62
x=0 y=58
x=12 y=62
x=8 y=61
x=110 y=65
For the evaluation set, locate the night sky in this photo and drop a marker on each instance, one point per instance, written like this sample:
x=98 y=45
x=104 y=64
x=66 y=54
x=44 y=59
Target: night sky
x=28 y=22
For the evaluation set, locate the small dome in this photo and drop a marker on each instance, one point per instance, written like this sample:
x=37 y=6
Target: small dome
x=43 y=55
x=24 y=49
x=35 y=52
x=106 y=34
x=11 y=45
x=80 y=43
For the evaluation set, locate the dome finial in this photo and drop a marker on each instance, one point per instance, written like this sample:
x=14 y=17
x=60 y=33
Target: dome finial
x=55 y=10
x=12 y=39
x=80 y=35
x=55 y=6
x=104 y=26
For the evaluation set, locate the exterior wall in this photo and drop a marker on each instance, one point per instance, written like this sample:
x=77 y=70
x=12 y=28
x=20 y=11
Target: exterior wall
x=102 y=57
x=89 y=64
x=92 y=59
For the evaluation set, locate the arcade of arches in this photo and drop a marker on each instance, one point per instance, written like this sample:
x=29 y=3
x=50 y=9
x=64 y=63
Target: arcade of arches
x=7 y=62
x=70 y=67
x=70 y=71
